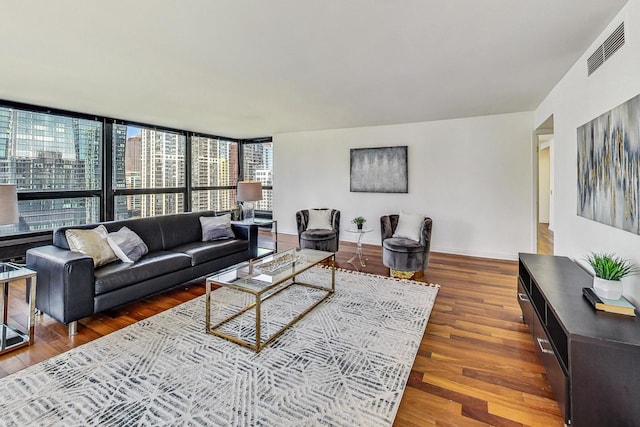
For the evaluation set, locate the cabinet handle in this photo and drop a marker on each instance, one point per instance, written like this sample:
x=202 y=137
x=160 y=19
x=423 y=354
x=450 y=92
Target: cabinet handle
x=542 y=349
x=523 y=297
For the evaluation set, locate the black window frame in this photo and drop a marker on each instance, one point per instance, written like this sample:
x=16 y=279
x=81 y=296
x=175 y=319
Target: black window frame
x=14 y=246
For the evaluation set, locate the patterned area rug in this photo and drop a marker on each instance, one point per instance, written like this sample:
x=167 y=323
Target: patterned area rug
x=345 y=363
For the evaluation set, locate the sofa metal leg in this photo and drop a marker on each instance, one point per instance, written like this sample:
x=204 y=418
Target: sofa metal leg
x=73 y=328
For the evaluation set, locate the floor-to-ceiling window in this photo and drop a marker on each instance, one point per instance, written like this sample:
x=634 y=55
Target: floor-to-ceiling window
x=148 y=171
x=56 y=163
x=257 y=161
x=75 y=168
x=214 y=173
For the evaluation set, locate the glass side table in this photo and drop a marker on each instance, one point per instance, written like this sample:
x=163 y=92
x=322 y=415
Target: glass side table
x=262 y=222
x=11 y=337
x=358 y=255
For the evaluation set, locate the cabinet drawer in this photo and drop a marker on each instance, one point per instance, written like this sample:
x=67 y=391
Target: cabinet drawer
x=556 y=376
x=525 y=306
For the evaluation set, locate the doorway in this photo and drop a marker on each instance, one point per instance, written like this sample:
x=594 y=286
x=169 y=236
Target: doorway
x=545 y=205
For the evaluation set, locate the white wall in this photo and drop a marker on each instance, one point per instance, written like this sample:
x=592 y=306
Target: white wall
x=472 y=176
x=576 y=100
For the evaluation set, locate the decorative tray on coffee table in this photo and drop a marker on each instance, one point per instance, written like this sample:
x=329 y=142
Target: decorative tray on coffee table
x=278 y=262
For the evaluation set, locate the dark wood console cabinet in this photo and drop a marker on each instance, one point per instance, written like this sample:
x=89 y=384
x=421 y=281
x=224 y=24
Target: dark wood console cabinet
x=592 y=358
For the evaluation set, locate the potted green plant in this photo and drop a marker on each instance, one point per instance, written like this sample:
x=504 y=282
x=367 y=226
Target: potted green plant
x=609 y=269
x=359 y=221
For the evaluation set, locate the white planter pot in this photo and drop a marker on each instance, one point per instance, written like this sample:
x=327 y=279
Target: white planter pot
x=610 y=289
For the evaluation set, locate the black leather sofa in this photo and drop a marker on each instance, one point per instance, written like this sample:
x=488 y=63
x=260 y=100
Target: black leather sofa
x=69 y=288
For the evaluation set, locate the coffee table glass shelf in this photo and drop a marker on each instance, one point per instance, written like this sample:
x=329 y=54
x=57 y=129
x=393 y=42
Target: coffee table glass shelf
x=265 y=278
x=11 y=337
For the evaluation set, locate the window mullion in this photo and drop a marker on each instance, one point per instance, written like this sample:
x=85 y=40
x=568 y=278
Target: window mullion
x=108 y=205
x=188 y=179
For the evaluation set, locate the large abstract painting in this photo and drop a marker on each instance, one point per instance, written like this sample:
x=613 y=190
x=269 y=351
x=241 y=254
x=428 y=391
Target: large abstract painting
x=379 y=170
x=609 y=167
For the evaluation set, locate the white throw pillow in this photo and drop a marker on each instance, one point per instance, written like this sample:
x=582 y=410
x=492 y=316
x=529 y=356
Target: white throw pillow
x=409 y=226
x=127 y=245
x=319 y=219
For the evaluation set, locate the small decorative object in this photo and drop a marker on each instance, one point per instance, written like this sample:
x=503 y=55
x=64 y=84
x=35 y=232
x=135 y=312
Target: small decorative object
x=359 y=221
x=278 y=262
x=236 y=212
x=609 y=269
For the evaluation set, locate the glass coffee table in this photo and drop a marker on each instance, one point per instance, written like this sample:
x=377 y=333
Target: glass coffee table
x=265 y=278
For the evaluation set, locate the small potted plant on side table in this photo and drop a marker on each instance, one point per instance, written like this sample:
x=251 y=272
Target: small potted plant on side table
x=359 y=221
x=609 y=269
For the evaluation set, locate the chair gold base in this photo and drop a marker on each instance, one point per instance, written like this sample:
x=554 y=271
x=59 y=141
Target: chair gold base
x=399 y=274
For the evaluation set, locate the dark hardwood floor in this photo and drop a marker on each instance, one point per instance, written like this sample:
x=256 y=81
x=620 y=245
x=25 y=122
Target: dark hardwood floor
x=476 y=365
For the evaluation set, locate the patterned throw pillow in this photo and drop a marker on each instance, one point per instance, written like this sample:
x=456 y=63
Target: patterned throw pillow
x=127 y=245
x=216 y=227
x=92 y=243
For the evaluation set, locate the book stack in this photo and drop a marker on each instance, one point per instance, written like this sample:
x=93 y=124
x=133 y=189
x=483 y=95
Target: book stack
x=619 y=306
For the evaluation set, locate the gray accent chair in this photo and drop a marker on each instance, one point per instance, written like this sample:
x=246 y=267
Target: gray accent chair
x=404 y=255
x=322 y=240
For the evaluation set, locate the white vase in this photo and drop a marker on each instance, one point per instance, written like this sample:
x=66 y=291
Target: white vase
x=610 y=289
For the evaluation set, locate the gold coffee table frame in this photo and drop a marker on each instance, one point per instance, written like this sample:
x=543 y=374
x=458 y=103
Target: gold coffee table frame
x=248 y=277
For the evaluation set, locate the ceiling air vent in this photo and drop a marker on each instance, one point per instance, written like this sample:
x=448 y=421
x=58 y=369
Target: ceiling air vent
x=610 y=46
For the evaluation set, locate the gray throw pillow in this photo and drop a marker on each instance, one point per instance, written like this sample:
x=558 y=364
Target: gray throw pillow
x=127 y=245
x=216 y=227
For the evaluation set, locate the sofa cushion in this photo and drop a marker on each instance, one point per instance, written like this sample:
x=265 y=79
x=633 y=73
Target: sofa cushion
x=154 y=264
x=92 y=243
x=400 y=244
x=201 y=252
x=180 y=229
x=318 y=235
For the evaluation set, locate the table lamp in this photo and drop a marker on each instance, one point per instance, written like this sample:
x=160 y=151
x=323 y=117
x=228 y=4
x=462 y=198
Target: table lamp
x=8 y=204
x=249 y=192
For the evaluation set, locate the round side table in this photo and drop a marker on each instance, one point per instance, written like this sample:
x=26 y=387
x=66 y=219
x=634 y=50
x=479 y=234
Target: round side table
x=360 y=232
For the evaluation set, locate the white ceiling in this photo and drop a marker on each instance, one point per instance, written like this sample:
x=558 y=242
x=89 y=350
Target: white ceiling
x=247 y=68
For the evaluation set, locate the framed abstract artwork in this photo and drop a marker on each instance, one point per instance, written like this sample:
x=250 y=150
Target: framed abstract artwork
x=379 y=170
x=609 y=167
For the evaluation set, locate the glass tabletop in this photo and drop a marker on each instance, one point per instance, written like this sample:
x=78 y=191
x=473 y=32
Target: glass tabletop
x=270 y=271
x=11 y=271
x=359 y=230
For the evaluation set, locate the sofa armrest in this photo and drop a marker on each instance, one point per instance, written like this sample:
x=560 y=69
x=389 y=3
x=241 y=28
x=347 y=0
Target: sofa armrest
x=65 y=286
x=247 y=232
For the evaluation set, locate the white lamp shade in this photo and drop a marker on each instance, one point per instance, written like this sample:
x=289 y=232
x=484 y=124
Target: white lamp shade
x=249 y=191
x=8 y=204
